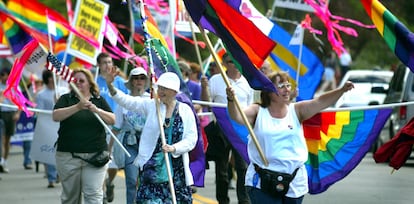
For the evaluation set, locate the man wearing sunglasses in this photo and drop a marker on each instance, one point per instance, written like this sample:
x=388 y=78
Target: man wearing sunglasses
x=216 y=88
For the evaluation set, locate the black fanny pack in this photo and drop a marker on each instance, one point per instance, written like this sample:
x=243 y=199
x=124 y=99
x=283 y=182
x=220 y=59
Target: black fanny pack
x=97 y=160
x=274 y=183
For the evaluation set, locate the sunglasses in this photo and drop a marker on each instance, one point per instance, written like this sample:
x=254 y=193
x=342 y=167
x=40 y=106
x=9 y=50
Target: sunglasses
x=284 y=85
x=80 y=81
x=139 y=78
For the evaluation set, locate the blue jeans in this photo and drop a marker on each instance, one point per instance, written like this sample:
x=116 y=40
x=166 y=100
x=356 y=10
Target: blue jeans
x=27 y=145
x=259 y=197
x=51 y=173
x=131 y=173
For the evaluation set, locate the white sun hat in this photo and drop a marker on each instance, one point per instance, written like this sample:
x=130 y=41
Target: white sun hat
x=169 y=80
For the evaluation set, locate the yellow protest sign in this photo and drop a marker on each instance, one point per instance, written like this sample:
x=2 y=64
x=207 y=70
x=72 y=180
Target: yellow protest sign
x=89 y=18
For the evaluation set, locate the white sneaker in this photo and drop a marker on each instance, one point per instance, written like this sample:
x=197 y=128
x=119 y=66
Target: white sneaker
x=3 y=166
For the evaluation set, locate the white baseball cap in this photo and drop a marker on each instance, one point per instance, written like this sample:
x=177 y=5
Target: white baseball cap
x=135 y=72
x=169 y=80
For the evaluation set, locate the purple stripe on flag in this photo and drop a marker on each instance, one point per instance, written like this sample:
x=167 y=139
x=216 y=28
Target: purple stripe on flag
x=235 y=133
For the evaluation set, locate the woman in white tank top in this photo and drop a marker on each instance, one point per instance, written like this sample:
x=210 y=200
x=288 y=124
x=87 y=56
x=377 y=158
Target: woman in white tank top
x=277 y=126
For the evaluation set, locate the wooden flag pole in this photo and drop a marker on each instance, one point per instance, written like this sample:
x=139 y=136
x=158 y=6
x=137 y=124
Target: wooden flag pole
x=236 y=100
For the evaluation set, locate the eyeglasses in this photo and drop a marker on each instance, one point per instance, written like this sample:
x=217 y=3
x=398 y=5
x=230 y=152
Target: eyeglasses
x=138 y=78
x=284 y=85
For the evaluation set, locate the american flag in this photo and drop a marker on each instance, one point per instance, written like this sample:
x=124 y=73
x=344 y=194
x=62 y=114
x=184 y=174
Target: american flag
x=53 y=64
x=5 y=51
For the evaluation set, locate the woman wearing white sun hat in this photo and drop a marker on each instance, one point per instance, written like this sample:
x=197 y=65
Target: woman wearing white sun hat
x=180 y=134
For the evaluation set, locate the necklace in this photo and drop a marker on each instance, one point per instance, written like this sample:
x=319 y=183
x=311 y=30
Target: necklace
x=167 y=122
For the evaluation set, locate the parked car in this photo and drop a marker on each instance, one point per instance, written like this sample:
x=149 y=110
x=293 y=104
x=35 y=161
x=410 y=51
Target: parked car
x=371 y=88
x=401 y=89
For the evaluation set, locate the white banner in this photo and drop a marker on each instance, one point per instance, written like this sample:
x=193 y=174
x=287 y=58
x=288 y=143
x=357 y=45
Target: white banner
x=45 y=136
x=293 y=4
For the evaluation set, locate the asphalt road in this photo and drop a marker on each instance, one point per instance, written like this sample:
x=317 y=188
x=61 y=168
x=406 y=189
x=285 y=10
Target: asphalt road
x=368 y=183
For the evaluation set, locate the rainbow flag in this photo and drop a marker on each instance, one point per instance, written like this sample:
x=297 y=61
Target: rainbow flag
x=14 y=36
x=151 y=24
x=163 y=62
x=395 y=34
x=33 y=13
x=239 y=35
x=11 y=33
x=337 y=141
x=284 y=57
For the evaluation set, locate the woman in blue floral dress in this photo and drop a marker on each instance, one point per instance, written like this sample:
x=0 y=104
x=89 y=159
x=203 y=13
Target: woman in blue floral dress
x=180 y=135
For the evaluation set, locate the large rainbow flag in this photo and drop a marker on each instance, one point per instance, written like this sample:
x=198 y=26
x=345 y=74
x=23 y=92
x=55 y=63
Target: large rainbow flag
x=34 y=13
x=337 y=141
x=239 y=35
x=395 y=34
x=284 y=57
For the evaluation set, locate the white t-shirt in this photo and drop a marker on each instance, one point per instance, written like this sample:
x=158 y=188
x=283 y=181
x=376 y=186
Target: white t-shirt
x=241 y=88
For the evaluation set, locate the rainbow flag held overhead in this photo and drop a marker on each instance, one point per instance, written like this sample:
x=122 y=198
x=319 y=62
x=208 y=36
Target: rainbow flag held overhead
x=284 y=57
x=239 y=35
x=337 y=142
x=395 y=34
x=34 y=13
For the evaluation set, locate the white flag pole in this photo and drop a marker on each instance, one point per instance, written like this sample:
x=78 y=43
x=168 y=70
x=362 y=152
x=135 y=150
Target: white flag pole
x=297 y=39
x=51 y=27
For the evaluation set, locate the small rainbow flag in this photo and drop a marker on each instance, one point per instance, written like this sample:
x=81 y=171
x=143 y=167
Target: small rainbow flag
x=337 y=141
x=34 y=14
x=395 y=34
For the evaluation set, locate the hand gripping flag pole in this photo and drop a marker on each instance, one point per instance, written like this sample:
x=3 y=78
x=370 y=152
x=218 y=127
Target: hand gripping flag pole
x=53 y=64
x=154 y=94
x=236 y=101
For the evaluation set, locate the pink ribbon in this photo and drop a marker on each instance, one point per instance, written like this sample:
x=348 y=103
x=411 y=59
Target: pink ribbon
x=332 y=26
x=12 y=91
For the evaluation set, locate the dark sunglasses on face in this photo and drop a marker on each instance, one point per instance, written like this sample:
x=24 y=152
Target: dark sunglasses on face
x=138 y=77
x=80 y=81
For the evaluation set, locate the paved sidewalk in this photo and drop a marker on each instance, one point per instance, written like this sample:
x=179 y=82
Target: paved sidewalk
x=21 y=186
